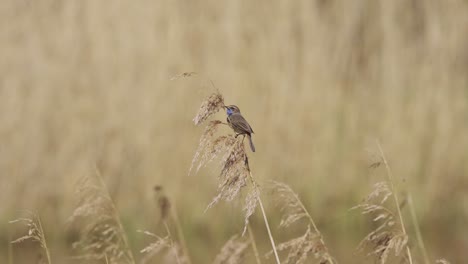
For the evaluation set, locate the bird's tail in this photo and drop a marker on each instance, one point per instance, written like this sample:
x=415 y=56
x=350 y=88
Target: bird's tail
x=252 y=147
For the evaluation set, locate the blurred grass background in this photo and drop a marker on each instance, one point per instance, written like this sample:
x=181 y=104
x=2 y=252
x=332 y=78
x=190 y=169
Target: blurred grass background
x=88 y=82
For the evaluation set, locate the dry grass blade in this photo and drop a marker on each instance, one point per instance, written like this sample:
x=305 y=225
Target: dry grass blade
x=442 y=261
x=292 y=211
x=209 y=106
x=35 y=233
x=101 y=233
x=233 y=251
x=388 y=235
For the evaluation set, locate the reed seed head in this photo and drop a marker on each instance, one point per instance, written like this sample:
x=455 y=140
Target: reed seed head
x=171 y=250
x=101 y=234
x=233 y=252
x=301 y=247
x=234 y=171
x=388 y=235
x=211 y=105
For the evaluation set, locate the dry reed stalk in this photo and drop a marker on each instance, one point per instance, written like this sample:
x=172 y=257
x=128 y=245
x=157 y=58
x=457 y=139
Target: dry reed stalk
x=233 y=251
x=172 y=251
x=176 y=253
x=294 y=210
x=102 y=234
x=414 y=219
x=180 y=234
x=235 y=169
x=388 y=235
x=10 y=249
x=254 y=244
x=35 y=233
x=395 y=198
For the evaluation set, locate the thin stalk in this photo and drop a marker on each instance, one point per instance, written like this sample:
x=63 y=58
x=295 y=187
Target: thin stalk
x=254 y=245
x=10 y=248
x=395 y=197
x=311 y=220
x=44 y=243
x=265 y=219
x=180 y=233
x=172 y=242
x=116 y=217
x=418 y=229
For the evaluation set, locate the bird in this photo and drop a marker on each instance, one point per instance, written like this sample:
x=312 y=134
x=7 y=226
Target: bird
x=238 y=123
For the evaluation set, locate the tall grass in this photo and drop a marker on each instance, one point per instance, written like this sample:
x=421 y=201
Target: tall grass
x=89 y=80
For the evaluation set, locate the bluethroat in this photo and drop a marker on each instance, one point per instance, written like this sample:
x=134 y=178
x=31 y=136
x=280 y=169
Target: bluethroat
x=238 y=123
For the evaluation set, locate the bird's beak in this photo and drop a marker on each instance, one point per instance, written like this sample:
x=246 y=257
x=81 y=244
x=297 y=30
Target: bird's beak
x=225 y=107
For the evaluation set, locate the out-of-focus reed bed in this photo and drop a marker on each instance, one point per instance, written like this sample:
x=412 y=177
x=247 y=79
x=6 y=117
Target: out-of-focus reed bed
x=89 y=82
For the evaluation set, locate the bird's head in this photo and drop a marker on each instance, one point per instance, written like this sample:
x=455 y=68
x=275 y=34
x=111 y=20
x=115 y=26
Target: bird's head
x=231 y=109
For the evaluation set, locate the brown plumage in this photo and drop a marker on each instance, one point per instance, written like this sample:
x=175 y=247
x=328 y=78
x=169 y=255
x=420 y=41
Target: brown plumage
x=238 y=123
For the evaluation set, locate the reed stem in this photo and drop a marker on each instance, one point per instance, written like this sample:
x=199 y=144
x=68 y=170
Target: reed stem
x=418 y=230
x=180 y=233
x=254 y=245
x=46 y=249
x=172 y=242
x=265 y=219
x=395 y=197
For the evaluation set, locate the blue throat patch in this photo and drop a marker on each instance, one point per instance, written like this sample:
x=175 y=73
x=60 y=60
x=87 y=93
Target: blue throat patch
x=229 y=112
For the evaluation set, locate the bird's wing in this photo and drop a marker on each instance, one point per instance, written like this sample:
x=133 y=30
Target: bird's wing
x=240 y=122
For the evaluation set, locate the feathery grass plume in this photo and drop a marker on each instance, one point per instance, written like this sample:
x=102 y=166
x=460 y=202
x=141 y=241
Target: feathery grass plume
x=394 y=187
x=183 y=75
x=233 y=251
x=173 y=253
x=177 y=253
x=35 y=233
x=294 y=210
x=234 y=172
x=250 y=205
x=101 y=233
x=209 y=106
x=300 y=248
x=388 y=235
x=210 y=147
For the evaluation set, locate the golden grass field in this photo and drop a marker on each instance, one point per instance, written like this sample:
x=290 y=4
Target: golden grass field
x=87 y=85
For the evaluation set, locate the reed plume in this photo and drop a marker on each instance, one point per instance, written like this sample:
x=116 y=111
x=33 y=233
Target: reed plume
x=101 y=233
x=172 y=251
x=233 y=251
x=388 y=236
x=179 y=252
x=209 y=107
x=311 y=242
x=35 y=233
